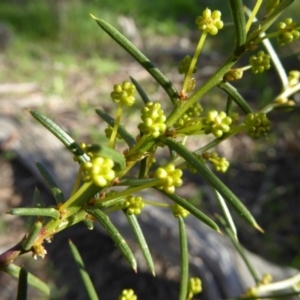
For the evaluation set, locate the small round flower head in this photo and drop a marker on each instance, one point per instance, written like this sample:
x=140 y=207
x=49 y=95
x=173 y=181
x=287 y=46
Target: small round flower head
x=285 y=101
x=260 y=62
x=210 y=22
x=257 y=125
x=108 y=131
x=124 y=93
x=195 y=285
x=184 y=65
x=221 y=164
x=170 y=177
x=179 y=211
x=128 y=295
x=234 y=117
x=192 y=168
x=38 y=250
x=154 y=119
x=288 y=31
x=99 y=170
x=190 y=117
x=233 y=74
x=293 y=78
x=266 y=279
x=133 y=205
x=251 y=292
x=216 y=123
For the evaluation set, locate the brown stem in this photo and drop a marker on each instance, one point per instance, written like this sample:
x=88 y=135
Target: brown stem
x=11 y=254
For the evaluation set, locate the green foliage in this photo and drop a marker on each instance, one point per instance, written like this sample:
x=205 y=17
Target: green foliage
x=101 y=167
x=23 y=19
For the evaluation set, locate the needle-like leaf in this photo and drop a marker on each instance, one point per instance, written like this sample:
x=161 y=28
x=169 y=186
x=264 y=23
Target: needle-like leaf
x=184 y=260
x=88 y=284
x=134 y=224
x=112 y=231
x=213 y=180
x=164 y=82
x=51 y=183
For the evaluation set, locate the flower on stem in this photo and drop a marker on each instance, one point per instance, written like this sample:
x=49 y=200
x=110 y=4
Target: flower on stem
x=216 y=123
x=210 y=22
x=266 y=279
x=260 y=62
x=288 y=31
x=128 y=294
x=154 y=119
x=257 y=125
x=170 y=177
x=38 y=250
x=179 y=211
x=251 y=292
x=99 y=170
x=234 y=74
x=190 y=117
x=108 y=132
x=195 y=285
x=221 y=164
x=293 y=77
x=133 y=205
x=124 y=93
x=285 y=101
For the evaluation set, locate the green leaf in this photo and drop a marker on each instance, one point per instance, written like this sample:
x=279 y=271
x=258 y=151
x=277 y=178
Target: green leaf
x=36 y=197
x=14 y=271
x=112 y=231
x=32 y=235
x=275 y=14
x=107 y=152
x=240 y=250
x=22 y=286
x=164 y=82
x=235 y=96
x=228 y=106
x=274 y=57
x=269 y=20
x=32 y=211
x=213 y=180
x=89 y=224
x=140 y=90
x=36 y=202
x=55 y=190
x=226 y=213
x=61 y=135
x=132 y=219
x=193 y=210
x=143 y=168
x=238 y=16
x=184 y=260
x=83 y=272
x=128 y=138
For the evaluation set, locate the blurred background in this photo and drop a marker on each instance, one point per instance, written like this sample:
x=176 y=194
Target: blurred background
x=55 y=58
